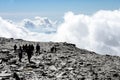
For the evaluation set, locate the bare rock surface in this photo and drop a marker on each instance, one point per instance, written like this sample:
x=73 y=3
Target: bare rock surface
x=67 y=63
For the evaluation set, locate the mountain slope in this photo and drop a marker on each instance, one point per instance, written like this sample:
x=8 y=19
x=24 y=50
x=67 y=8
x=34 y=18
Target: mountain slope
x=67 y=63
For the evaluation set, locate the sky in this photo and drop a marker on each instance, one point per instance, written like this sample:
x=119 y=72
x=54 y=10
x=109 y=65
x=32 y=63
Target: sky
x=90 y=24
x=53 y=8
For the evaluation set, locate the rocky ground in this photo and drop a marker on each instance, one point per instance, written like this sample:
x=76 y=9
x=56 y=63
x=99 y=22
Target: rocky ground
x=67 y=63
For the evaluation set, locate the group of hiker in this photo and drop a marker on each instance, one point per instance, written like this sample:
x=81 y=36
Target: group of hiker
x=29 y=49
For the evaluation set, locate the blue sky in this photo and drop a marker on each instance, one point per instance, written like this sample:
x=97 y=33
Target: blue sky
x=53 y=8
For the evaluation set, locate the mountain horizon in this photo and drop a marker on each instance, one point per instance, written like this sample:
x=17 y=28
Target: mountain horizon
x=98 y=32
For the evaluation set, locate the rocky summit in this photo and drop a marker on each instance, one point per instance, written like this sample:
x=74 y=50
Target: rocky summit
x=67 y=63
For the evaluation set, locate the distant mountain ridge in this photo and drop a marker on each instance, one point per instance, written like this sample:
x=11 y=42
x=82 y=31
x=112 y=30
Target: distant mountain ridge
x=40 y=24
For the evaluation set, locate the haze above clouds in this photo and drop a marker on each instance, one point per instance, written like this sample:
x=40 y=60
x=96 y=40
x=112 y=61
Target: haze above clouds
x=97 y=32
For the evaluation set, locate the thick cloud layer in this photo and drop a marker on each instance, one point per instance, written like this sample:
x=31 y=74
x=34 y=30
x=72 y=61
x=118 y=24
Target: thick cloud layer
x=10 y=29
x=98 y=32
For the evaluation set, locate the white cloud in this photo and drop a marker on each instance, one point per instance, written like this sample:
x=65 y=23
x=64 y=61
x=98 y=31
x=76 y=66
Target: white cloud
x=74 y=29
x=98 y=32
x=10 y=29
x=39 y=24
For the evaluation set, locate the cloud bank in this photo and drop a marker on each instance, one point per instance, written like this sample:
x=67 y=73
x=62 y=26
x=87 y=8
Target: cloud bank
x=98 y=32
x=39 y=24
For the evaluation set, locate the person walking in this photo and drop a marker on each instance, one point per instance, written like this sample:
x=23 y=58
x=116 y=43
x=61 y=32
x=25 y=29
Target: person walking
x=20 y=53
x=15 y=48
x=38 y=48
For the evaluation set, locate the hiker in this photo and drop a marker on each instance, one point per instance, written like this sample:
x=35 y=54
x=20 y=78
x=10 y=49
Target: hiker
x=53 y=49
x=37 y=48
x=29 y=52
x=32 y=47
x=20 y=53
x=15 y=47
x=23 y=48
